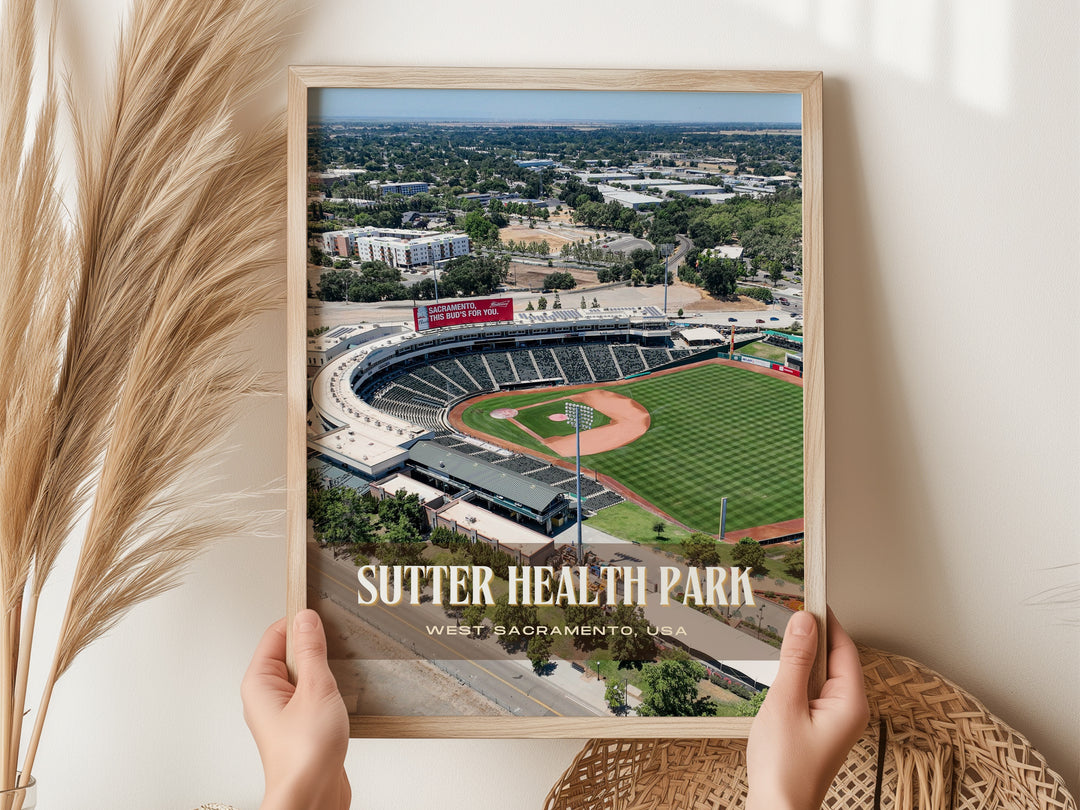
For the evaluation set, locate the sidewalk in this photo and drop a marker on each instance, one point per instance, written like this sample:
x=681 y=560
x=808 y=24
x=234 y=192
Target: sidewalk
x=588 y=691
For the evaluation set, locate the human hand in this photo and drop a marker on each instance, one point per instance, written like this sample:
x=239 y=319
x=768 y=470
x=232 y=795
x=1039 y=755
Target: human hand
x=797 y=745
x=301 y=730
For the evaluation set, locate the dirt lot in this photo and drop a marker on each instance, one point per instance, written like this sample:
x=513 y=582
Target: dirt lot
x=556 y=236
x=709 y=304
x=532 y=276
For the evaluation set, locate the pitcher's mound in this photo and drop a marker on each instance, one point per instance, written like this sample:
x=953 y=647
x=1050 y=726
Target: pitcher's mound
x=504 y=413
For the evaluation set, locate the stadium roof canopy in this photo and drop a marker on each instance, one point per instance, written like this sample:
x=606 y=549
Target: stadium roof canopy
x=482 y=475
x=698 y=334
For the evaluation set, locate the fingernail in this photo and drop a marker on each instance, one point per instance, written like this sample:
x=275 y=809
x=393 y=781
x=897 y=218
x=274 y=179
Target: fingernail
x=306 y=622
x=801 y=624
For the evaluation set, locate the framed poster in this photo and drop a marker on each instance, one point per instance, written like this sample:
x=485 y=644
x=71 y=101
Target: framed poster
x=556 y=399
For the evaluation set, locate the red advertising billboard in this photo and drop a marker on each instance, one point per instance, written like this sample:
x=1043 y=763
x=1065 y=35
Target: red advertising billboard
x=461 y=313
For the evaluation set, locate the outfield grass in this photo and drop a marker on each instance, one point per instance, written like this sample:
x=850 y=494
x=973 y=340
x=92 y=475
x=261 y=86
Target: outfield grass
x=536 y=419
x=715 y=431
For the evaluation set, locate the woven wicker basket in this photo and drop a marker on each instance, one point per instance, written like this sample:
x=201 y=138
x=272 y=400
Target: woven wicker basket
x=929 y=745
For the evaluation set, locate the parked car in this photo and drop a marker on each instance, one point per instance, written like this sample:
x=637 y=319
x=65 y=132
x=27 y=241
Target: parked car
x=759 y=320
x=774 y=318
x=733 y=320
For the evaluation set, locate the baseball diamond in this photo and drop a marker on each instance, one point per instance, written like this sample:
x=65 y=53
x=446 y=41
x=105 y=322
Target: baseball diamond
x=714 y=430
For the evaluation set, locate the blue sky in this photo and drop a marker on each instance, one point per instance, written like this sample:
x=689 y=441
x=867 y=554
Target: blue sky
x=553 y=105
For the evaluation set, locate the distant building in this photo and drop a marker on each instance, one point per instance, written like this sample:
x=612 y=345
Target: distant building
x=404 y=189
x=536 y=163
x=629 y=199
x=691 y=189
x=396 y=246
x=605 y=177
x=724 y=251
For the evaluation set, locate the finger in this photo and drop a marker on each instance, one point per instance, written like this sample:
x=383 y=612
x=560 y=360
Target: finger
x=266 y=681
x=309 y=647
x=797 y=654
x=844 y=666
x=268 y=660
x=346 y=791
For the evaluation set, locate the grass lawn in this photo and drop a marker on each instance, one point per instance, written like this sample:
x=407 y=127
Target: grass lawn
x=537 y=419
x=765 y=351
x=716 y=431
x=628 y=521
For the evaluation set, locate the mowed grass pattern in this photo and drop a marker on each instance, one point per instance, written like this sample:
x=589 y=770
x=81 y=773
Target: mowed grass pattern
x=716 y=431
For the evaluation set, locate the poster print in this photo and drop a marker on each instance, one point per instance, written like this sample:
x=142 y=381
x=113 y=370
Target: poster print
x=556 y=456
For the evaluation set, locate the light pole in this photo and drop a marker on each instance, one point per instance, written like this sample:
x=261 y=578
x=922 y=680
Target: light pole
x=578 y=415
x=665 y=251
x=435 y=276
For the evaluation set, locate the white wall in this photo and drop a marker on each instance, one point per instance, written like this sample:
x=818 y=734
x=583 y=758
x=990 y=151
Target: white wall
x=951 y=176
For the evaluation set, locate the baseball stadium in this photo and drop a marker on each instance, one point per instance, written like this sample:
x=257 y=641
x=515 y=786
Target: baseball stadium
x=480 y=409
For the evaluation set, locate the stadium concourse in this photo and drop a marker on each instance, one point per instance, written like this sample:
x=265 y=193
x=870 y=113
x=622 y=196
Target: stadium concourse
x=373 y=399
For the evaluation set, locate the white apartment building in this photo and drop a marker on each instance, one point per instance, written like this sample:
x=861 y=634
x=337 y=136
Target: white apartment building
x=397 y=247
x=405 y=189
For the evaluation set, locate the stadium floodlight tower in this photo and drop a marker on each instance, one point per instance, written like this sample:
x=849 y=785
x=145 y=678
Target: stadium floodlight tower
x=581 y=417
x=665 y=251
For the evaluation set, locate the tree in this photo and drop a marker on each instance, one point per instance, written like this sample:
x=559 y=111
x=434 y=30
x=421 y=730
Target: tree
x=775 y=270
x=670 y=689
x=539 y=652
x=513 y=618
x=530 y=307
x=473 y=275
x=680 y=312
x=541 y=303
x=658 y=528
x=637 y=278
x=700 y=550
x=473 y=615
x=578 y=616
x=560 y=281
x=583 y=304
x=615 y=696
x=595 y=303
x=794 y=562
x=750 y=708
x=637 y=647
x=479 y=228
x=342 y=520
x=401 y=545
x=557 y=303
x=748 y=553
x=402 y=506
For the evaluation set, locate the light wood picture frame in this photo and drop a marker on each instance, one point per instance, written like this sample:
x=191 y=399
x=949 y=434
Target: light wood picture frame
x=306 y=355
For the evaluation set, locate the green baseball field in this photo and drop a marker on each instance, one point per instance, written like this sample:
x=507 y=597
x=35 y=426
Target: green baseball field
x=714 y=431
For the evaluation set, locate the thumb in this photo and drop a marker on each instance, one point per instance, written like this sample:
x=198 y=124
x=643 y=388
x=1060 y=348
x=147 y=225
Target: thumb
x=797 y=654
x=309 y=651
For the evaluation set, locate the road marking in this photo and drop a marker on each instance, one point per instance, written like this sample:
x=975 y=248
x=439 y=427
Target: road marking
x=451 y=649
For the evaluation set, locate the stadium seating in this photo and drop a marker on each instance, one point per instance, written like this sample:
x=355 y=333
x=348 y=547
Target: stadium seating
x=629 y=359
x=572 y=363
x=475 y=367
x=602 y=362
x=545 y=364
x=500 y=367
x=524 y=366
